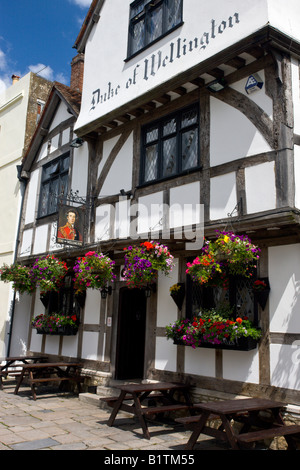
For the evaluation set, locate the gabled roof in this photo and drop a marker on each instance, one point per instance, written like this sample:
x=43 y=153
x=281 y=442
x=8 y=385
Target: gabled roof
x=59 y=93
x=71 y=97
x=91 y=18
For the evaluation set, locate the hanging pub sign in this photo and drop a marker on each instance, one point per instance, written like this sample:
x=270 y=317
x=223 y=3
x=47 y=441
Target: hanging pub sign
x=70 y=225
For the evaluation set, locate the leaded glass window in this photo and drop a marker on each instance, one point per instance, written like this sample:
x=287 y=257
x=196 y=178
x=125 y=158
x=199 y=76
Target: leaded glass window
x=170 y=146
x=150 y=20
x=54 y=184
x=238 y=295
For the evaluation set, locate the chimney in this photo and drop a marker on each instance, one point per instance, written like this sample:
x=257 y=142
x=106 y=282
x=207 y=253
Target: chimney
x=77 y=67
x=15 y=79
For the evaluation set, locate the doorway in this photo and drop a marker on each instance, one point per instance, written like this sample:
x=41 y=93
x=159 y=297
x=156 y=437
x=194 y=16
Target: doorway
x=131 y=334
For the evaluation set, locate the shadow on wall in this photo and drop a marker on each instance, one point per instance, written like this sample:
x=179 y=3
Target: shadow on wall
x=20 y=326
x=284 y=316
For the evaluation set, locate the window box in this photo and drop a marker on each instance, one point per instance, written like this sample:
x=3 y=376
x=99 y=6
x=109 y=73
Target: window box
x=65 y=330
x=55 y=324
x=240 y=344
x=212 y=331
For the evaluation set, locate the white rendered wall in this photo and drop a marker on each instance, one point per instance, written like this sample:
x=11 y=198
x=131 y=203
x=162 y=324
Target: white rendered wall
x=284 y=277
x=119 y=175
x=242 y=366
x=216 y=25
x=165 y=355
x=40 y=239
x=80 y=170
x=150 y=213
x=296 y=94
x=21 y=322
x=167 y=312
x=31 y=198
x=166 y=307
x=233 y=136
x=297 y=175
x=92 y=307
x=260 y=187
x=103 y=222
x=199 y=361
x=90 y=342
x=284 y=366
x=184 y=205
x=222 y=196
x=61 y=115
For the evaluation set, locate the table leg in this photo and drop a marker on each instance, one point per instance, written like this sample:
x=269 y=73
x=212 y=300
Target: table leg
x=229 y=432
x=197 y=430
x=142 y=419
x=1 y=384
x=116 y=408
x=20 y=380
x=33 y=391
x=279 y=420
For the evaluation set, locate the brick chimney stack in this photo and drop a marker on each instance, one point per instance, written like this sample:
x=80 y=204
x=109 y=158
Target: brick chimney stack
x=77 y=67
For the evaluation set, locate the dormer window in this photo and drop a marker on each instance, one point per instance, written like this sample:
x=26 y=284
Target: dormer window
x=151 y=20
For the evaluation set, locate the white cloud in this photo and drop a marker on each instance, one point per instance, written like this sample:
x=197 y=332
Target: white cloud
x=4 y=84
x=2 y=60
x=46 y=72
x=82 y=3
x=43 y=70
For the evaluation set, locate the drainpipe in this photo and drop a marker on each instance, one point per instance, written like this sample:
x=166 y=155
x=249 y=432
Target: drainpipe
x=23 y=179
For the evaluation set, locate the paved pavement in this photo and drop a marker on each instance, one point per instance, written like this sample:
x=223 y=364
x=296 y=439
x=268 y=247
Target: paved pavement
x=57 y=421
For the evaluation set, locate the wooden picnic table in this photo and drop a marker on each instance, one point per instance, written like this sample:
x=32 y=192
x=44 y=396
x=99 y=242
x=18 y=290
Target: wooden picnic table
x=162 y=393
x=246 y=411
x=16 y=362
x=43 y=372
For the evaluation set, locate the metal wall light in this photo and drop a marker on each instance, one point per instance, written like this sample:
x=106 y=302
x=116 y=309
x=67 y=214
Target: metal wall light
x=149 y=289
x=106 y=290
x=216 y=85
x=78 y=142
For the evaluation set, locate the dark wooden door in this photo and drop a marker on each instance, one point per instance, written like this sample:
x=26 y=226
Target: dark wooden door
x=131 y=334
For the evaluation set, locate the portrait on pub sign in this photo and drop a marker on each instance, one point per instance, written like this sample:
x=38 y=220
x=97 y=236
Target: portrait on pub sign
x=70 y=225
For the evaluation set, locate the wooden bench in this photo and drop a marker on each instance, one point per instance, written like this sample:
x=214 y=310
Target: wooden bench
x=280 y=430
x=149 y=409
x=112 y=400
x=43 y=372
x=12 y=363
x=189 y=421
x=159 y=397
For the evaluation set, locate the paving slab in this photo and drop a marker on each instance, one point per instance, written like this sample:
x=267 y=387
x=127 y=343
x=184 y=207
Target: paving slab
x=63 y=421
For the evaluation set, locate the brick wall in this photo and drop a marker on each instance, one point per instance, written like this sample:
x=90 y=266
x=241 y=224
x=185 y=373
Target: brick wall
x=77 y=67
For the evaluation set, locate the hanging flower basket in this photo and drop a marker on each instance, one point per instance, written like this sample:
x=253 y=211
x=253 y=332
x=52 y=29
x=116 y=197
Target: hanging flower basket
x=55 y=324
x=94 y=270
x=142 y=263
x=177 y=292
x=211 y=330
x=229 y=254
x=48 y=272
x=20 y=277
x=261 y=290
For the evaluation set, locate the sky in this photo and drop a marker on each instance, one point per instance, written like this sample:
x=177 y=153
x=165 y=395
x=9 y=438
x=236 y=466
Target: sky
x=38 y=36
